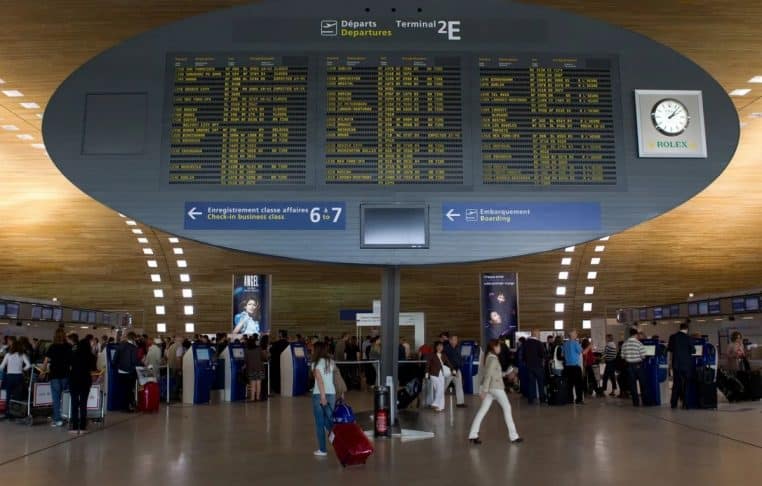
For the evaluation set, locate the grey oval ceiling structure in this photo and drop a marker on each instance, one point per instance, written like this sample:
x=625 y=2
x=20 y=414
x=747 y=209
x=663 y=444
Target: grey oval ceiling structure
x=398 y=134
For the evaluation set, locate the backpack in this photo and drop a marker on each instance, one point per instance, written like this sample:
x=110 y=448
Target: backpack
x=557 y=362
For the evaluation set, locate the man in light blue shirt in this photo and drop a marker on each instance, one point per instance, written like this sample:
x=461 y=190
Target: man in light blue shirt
x=573 y=367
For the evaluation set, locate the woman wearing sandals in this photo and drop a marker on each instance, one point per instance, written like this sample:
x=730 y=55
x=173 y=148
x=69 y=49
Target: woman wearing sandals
x=492 y=388
x=323 y=394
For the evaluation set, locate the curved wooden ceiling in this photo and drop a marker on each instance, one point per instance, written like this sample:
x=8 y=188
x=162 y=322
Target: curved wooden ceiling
x=59 y=242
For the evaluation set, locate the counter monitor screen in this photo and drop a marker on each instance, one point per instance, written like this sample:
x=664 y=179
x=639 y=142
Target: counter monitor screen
x=394 y=226
x=465 y=350
x=47 y=314
x=237 y=353
x=650 y=350
x=36 y=312
x=698 y=350
x=703 y=308
x=739 y=304
x=752 y=303
x=202 y=354
x=714 y=307
x=658 y=313
x=12 y=311
x=693 y=309
x=298 y=352
x=58 y=314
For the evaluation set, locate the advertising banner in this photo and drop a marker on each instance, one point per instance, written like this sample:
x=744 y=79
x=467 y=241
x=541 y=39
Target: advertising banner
x=251 y=304
x=500 y=308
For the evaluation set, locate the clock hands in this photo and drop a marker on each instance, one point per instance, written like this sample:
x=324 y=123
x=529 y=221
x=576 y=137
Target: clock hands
x=673 y=113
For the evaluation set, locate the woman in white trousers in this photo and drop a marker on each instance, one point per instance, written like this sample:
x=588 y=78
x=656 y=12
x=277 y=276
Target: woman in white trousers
x=438 y=368
x=492 y=389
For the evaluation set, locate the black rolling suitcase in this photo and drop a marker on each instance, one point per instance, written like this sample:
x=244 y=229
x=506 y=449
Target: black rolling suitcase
x=707 y=389
x=558 y=391
x=408 y=394
x=730 y=386
x=754 y=387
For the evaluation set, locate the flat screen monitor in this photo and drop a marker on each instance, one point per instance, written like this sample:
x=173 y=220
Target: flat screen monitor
x=394 y=226
x=752 y=304
x=2 y=309
x=714 y=306
x=703 y=308
x=92 y=316
x=202 y=354
x=465 y=350
x=75 y=315
x=298 y=352
x=47 y=314
x=739 y=304
x=12 y=311
x=642 y=314
x=658 y=313
x=58 y=314
x=237 y=353
x=106 y=318
x=674 y=310
x=693 y=309
x=698 y=350
x=650 y=349
x=36 y=312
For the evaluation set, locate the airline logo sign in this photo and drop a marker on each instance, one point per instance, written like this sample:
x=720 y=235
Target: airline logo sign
x=449 y=30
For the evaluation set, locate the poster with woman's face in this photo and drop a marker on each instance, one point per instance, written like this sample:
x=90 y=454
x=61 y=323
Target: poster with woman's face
x=250 y=305
x=500 y=306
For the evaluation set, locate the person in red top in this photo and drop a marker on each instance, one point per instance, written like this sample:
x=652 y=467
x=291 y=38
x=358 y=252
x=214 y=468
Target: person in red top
x=425 y=351
x=588 y=360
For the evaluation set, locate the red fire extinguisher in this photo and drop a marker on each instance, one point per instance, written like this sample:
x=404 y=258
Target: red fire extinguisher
x=382 y=422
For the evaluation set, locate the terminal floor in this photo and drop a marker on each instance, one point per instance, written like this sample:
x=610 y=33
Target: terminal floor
x=605 y=441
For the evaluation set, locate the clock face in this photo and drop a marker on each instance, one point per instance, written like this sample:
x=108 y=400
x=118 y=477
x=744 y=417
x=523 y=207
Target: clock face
x=670 y=117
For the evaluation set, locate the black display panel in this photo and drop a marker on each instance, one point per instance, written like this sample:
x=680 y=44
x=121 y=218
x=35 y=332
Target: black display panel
x=674 y=310
x=642 y=314
x=752 y=303
x=658 y=313
x=47 y=314
x=394 y=226
x=238 y=120
x=393 y=120
x=714 y=307
x=547 y=121
x=739 y=304
x=693 y=309
x=36 y=312
x=12 y=311
x=92 y=317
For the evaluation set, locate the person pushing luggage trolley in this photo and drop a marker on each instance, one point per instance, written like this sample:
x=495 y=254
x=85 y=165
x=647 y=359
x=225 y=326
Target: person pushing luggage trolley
x=491 y=388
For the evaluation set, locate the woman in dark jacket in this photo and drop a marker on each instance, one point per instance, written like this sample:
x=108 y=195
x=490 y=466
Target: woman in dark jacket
x=255 y=357
x=83 y=363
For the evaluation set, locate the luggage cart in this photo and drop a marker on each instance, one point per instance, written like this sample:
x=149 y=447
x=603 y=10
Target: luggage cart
x=36 y=406
x=96 y=402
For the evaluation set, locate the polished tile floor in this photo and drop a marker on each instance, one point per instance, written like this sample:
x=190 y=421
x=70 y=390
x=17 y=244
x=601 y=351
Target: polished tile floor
x=604 y=442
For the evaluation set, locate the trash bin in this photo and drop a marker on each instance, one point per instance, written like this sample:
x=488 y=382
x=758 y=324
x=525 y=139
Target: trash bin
x=381 y=412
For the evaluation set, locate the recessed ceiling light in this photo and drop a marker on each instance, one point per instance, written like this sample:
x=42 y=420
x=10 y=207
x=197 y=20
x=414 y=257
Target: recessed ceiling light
x=40 y=146
x=152 y=264
x=161 y=327
x=740 y=92
x=569 y=249
x=589 y=290
x=182 y=263
x=592 y=275
x=595 y=261
x=131 y=222
x=121 y=215
x=158 y=293
x=147 y=251
x=563 y=275
x=190 y=327
x=177 y=251
x=566 y=261
x=10 y=128
x=160 y=310
x=187 y=293
x=24 y=136
x=587 y=324
x=30 y=105
x=2 y=81
x=137 y=231
x=184 y=277
x=155 y=277
x=605 y=238
x=558 y=324
x=13 y=93
x=559 y=306
x=756 y=79
x=174 y=240
x=600 y=248
x=39 y=115
x=143 y=240
x=188 y=310
x=560 y=290
x=587 y=307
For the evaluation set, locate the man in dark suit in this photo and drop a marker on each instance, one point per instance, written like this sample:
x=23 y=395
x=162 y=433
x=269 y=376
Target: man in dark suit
x=125 y=361
x=534 y=360
x=681 y=349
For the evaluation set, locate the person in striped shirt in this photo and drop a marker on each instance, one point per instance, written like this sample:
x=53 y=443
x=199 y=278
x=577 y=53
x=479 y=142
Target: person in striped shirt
x=634 y=352
x=609 y=358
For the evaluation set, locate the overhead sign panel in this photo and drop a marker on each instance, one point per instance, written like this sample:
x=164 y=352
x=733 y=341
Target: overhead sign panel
x=517 y=216
x=265 y=215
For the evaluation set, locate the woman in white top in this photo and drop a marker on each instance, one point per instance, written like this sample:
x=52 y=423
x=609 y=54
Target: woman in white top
x=323 y=394
x=492 y=388
x=14 y=364
x=438 y=369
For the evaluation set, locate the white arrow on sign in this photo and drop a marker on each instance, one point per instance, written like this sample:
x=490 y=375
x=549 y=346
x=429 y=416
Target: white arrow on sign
x=193 y=213
x=451 y=214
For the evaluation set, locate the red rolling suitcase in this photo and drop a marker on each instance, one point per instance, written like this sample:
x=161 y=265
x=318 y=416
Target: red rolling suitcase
x=350 y=443
x=148 y=397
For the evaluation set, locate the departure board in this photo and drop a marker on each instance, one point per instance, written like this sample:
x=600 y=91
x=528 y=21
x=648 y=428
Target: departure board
x=393 y=120
x=547 y=121
x=238 y=120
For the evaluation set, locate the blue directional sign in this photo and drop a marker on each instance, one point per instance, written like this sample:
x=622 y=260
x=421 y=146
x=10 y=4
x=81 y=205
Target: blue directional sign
x=518 y=216
x=265 y=215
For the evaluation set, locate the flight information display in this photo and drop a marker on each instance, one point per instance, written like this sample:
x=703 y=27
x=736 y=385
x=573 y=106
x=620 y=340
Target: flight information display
x=393 y=120
x=238 y=120
x=547 y=121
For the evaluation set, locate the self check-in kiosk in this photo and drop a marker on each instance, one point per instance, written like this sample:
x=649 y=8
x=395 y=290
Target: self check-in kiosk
x=113 y=400
x=651 y=364
x=294 y=370
x=198 y=374
x=234 y=364
x=469 y=368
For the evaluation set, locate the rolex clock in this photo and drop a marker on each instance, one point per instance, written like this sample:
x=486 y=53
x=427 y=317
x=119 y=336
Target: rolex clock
x=670 y=124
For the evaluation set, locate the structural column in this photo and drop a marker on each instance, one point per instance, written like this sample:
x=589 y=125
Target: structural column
x=390 y=331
